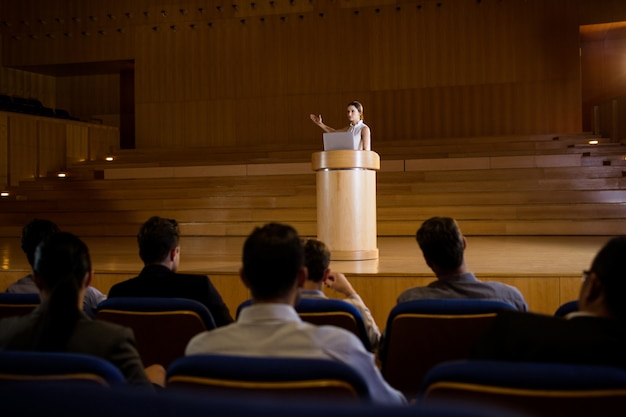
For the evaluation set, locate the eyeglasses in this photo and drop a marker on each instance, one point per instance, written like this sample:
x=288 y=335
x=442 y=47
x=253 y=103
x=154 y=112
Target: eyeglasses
x=586 y=273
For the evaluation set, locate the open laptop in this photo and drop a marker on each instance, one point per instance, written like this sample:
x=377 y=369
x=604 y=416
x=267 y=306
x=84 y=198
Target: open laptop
x=340 y=140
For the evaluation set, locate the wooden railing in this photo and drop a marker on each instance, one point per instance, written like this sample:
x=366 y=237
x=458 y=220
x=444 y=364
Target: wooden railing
x=609 y=119
x=34 y=146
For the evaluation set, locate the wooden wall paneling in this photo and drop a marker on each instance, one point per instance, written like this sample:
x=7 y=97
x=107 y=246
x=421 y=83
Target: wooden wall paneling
x=224 y=70
x=499 y=42
x=330 y=106
x=541 y=294
x=147 y=68
x=593 y=78
x=4 y=149
x=77 y=142
x=569 y=288
x=102 y=140
x=387 y=48
x=222 y=120
x=198 y=63
x=52 y=147
x=250 y=52
x=307 y=65
x=232 y=290
x=90 y=97
x=263 y=115
x=287 y=53
x=147 y=119
x=380 y=293
x=23 y=149
x=615 y=68
x=198 y=122
x=176 y=51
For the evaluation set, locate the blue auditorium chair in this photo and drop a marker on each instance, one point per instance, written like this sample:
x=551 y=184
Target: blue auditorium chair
x=162 y=326
x=329 y=311
x=422 y=333
x=566 y=308
x=56 y=368
x=16 y=304
x=538 y=389
x=82 y=400
x=263 y=376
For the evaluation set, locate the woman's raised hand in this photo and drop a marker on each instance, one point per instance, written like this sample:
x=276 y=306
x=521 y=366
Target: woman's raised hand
x=316 y=119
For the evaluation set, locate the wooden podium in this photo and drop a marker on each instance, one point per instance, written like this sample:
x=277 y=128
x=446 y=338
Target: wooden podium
x=346 y=203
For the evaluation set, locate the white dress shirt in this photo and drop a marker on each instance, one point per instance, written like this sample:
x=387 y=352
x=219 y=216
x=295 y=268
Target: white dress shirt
x=276 y=330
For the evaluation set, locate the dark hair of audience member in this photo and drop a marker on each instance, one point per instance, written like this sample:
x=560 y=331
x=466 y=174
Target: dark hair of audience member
x=33 y=233
x=156 y=238
x=441 y=242
x=61 y=262
x=608 y=265
x=317 y=259
x=272 y=257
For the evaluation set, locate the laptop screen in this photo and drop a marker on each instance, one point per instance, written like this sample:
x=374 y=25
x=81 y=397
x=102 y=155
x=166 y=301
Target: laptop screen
x=340 y=140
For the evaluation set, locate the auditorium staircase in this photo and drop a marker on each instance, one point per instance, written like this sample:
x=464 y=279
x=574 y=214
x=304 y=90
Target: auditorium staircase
x=502 y=186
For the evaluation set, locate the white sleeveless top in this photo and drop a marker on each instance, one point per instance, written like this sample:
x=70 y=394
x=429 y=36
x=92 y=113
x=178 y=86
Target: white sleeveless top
x=356 y=132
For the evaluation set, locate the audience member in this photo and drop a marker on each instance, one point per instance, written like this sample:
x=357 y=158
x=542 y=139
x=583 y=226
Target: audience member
x=62 y=271
x=443 y=247
x=317 y=260
x=32 y=234
x=273 y=269
x=595 y=334
x=159 y=250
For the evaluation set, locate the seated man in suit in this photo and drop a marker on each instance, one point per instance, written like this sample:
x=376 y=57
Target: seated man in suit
x=273 y=269
x=443 y=247
x=33 y=233
x=159 y=250
x=317 y=259
x=62 y=272
x=594 y=335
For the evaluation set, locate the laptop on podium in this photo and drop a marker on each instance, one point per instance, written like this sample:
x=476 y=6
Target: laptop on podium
x=340 y=140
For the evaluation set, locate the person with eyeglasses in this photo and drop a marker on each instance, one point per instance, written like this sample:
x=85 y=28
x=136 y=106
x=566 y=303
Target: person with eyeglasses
x=595 y=334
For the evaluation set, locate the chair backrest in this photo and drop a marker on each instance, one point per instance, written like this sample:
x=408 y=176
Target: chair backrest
x=15 y=304
x=263 y=376
x=329 y=311
x=539 y=389
x=44 y=367
x=422 y=333
x=566 y=308
x=162 y=326
x=44 y=401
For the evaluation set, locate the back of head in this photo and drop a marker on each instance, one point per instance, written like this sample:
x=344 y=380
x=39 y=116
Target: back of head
x=441 y=242
x=272 y=257
x=610 y=266
x=62 y=263
x=156 y=238
x=317 y=259
x=33 y=233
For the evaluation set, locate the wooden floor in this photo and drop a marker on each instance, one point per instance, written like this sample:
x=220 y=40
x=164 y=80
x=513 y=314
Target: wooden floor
x=546 y=269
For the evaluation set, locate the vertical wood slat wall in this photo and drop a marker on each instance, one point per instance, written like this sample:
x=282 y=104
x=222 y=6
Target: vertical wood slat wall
x=212 y=73
x=33 y=147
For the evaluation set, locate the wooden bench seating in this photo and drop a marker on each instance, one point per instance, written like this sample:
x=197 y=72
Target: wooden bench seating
x=559 y=185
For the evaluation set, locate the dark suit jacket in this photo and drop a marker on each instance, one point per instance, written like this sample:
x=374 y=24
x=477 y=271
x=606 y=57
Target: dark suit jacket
x=159 y=281
x=92 y=337
x=516 y=336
